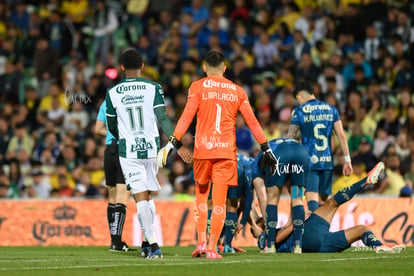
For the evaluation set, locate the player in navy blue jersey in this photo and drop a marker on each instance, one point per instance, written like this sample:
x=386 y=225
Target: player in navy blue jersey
x=316 y=120
x=317 y=238
x=238 y=198
x=292 y=164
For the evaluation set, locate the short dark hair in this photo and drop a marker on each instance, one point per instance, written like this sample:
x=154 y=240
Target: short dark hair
x=303 y=86
x=131 y=59
x=214 y=58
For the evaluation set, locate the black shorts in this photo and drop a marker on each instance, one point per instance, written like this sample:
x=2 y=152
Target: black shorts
x=112 y=167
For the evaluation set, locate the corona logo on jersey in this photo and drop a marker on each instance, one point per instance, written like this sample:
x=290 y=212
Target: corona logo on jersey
x=288 y=168
x=310 y=108
x=141 y=145
x=208 y=83
x=130 y=87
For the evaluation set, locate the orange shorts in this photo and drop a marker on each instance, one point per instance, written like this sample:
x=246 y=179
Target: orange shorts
x=218 y=171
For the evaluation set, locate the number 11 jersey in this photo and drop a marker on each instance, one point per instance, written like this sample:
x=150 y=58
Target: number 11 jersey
x=316 y=120
x=216 y=101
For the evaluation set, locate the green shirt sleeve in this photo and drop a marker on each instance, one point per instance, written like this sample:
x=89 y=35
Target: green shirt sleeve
x=159 y=110
x=111 y=117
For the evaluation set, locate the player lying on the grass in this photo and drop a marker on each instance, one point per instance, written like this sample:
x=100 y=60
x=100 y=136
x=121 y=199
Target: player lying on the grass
x=317 y=238
x=292 y=163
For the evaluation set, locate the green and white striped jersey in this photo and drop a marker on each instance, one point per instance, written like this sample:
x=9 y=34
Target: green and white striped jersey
x=132 y=102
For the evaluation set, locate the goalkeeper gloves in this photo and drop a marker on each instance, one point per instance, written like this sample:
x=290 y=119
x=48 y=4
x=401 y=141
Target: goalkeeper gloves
x=166 y=151
x=269 y=158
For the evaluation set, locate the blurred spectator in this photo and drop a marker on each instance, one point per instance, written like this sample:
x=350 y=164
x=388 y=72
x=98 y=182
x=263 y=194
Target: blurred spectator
x=21 y=140
x=390 y=121
x=41 y=189
x=381 y=142
x=265 y=52
x=46 y=64
x=306 y=69
x=394 y=181
x=356 y=138
x=300 y=46
x=104 y=23
x=349 y=70
x=5 y=136
x=364 y=154
x=371 y=43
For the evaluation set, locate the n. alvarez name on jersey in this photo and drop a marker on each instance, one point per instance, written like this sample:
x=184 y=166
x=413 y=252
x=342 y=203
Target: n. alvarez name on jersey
x=316 y=120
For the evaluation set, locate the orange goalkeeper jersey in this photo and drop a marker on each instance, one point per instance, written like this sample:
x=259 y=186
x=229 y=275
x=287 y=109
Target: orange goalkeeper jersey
x=216 y=101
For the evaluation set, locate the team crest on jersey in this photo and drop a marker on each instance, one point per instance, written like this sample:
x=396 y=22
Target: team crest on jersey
x=314 y=159
x=141 y=145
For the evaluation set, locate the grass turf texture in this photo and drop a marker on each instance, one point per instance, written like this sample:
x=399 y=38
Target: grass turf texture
x=178 y=261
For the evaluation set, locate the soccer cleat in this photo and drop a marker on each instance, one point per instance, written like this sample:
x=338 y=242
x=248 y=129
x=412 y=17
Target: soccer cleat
x=261 y=241
x=297 y=250
x=229 y=250
x=390 y=250
x=200 y=250
x=270 y=250
x=374 y=174
x=156 y=254
x=213 y=255
x=120 y=248
x=145 y=251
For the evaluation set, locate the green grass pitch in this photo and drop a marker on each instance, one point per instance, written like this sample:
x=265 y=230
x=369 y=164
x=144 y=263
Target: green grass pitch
x=178 y=261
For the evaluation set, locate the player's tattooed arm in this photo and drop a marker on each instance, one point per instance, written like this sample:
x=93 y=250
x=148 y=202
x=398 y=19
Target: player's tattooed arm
x=293 y=132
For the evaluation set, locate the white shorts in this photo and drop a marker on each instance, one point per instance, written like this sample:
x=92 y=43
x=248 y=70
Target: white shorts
x=140 y=174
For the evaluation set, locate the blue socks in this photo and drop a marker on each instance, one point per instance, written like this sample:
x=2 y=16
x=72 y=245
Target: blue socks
x=347 y=193
x=298 y=217
x=369 y=239
x=229 y=227
x=313 y=205
x=271 y=223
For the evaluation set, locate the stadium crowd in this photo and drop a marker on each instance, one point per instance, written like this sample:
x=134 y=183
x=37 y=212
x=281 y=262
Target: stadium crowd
x=57 y=59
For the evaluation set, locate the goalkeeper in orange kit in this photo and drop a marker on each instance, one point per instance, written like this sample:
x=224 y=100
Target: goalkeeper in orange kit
x=216 y=101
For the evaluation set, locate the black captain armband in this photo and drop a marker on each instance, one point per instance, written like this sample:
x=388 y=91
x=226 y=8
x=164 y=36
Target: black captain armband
x=177 y=144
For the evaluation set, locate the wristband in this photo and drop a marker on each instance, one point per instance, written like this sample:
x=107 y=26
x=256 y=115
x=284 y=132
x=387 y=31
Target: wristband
x=347 y=158
x=177 y=144
x=264 y=147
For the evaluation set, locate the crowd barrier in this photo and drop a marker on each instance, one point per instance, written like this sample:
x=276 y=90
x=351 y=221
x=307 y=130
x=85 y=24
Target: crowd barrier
x=83 y=222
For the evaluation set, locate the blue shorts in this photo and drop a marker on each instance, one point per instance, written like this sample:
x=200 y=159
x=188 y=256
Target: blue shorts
x=232 y=192
x=319 y=181
x=317 y=238
x=293 y=162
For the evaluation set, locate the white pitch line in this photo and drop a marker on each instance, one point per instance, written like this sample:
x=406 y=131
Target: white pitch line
x=359 y=258
x=150 y=262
